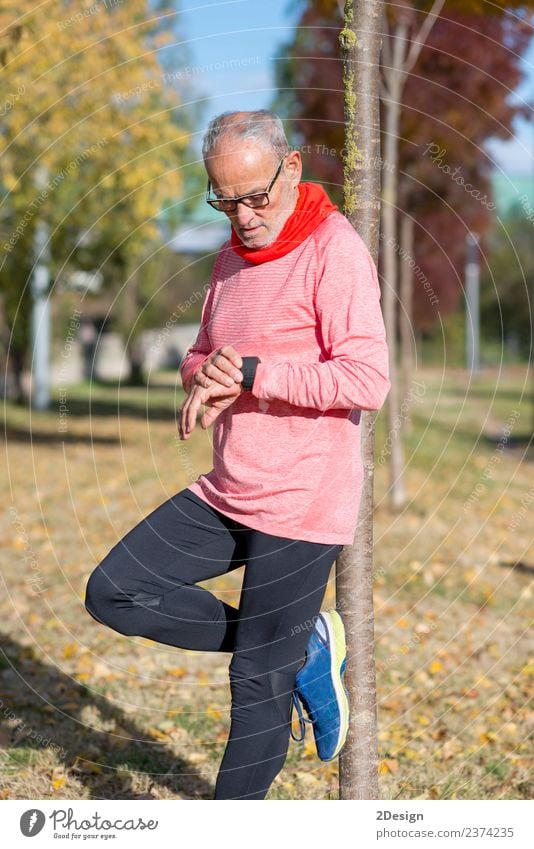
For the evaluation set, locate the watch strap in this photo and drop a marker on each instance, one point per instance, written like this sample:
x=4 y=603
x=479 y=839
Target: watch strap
x=249 y=371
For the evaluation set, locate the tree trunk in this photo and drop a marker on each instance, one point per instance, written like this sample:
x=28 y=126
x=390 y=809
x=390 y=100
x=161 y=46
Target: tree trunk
x=130 y=322
x=406 y=316
x=402 y=51
x=390 y=255
x=16 y=368
x=360 y=42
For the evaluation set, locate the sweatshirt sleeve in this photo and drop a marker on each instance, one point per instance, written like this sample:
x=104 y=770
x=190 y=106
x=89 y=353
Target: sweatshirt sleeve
x=201 y=348
x=355 y=373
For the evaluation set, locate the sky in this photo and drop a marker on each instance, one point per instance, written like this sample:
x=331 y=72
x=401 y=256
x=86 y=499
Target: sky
x=517 y=155
x=231 y=48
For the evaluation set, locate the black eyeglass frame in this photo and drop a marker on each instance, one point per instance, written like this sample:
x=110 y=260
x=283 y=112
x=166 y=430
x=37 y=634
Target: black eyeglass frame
x=243 y=199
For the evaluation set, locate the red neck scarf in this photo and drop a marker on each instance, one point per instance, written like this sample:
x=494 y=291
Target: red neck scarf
x=313 y=206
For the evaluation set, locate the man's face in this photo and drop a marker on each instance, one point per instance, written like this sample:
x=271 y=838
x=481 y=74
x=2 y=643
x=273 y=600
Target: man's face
x=238 y=168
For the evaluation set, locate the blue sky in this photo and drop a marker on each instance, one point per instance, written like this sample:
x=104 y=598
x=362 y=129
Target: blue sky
x=232 y=46
x=517 y=155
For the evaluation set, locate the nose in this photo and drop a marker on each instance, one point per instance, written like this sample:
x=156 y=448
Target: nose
x=244 y=214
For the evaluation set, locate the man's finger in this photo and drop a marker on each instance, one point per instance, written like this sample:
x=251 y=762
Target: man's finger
x=185 y=416
x=181 y=423
x=190 y=419
x=230 y=353
x=196 y=400
x=223 y=372
x=183 y=419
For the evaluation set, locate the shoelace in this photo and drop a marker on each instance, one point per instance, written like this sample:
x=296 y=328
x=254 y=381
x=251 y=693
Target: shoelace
x=302 y=719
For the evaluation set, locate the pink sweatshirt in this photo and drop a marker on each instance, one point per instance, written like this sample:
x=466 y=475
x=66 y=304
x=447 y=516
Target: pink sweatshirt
x=286 y=456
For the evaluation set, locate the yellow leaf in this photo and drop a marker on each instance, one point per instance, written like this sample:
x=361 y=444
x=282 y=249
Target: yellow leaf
x=87 y=765
x=388 y=765
x=435 y=666
x=310 y=749
x=213 y=712
x=177 y=671
x=411 y=754
x=488 y=737
x=159 y=735
x=70 y=650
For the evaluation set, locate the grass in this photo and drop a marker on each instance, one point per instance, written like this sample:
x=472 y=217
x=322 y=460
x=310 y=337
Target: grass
x=86 y=713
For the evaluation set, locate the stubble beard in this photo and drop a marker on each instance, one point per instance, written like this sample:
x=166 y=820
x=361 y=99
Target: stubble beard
x=288 y=203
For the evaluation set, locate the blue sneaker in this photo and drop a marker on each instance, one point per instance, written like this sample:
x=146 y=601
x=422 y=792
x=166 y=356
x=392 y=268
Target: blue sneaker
x=319 y=686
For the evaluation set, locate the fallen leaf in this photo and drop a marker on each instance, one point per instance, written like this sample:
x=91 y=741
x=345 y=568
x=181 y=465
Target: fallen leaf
x=388 y=765
x=177 y=671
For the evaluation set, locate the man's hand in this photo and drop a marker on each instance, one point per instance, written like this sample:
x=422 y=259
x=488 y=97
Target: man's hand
x=216 y=396
x=222 y=367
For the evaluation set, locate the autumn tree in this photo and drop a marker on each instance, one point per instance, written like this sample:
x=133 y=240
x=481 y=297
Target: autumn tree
x=433 y=164
x=308 y=94
x=88 y=113
x=507 y=282
x=360 y=53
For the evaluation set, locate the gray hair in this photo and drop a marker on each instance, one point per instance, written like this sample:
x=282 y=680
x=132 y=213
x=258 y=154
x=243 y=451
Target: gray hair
x=262 y=125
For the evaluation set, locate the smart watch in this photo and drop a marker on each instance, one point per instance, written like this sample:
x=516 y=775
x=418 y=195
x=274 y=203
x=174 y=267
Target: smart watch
x=249 y=371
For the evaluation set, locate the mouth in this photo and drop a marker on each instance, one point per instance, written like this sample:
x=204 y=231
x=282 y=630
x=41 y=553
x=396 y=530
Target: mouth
x=250 y=231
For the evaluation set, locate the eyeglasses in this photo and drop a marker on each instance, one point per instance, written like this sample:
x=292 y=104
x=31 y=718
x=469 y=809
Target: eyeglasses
x=253 y=201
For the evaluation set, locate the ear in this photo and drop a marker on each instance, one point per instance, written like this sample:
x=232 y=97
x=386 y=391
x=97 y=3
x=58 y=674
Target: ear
x=294 y=167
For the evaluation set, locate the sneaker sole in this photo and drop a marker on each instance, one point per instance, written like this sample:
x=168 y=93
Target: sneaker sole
x=338 y=651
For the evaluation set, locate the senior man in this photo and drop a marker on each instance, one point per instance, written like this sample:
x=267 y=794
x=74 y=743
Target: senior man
x=291 y=348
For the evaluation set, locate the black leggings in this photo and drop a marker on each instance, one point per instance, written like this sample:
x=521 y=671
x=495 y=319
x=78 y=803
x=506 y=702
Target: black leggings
x=146 y=587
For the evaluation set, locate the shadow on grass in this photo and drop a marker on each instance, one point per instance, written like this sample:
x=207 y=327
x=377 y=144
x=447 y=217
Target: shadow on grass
x=117 y=408
x=113 y=398
x=518 y=566
x=55 y=437
x=50 y=703
x=488 y=392
x=516 y=443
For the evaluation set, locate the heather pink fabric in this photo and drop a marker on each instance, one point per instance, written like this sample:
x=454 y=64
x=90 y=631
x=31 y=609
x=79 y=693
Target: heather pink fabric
x=286 y=456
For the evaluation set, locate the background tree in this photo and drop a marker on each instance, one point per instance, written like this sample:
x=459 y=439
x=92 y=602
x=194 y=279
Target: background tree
x=506 y=283
x=360 y=43
x=455 y=94
x=84 y=99
x=310 y=86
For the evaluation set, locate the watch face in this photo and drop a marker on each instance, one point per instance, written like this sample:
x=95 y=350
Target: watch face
x=249 y=371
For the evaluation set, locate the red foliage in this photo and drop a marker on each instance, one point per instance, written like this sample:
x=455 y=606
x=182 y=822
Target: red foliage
x=456 y=97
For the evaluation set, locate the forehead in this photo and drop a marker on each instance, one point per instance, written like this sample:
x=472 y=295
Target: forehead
x=240 y=165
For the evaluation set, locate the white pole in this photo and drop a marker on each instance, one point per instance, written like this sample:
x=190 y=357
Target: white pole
x=472 y=297
x=41 y=316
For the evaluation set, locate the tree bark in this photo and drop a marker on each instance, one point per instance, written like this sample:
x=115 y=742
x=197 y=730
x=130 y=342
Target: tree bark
x=401 y=52
x=360 y=42
x=406 y=315
x=392 y=106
